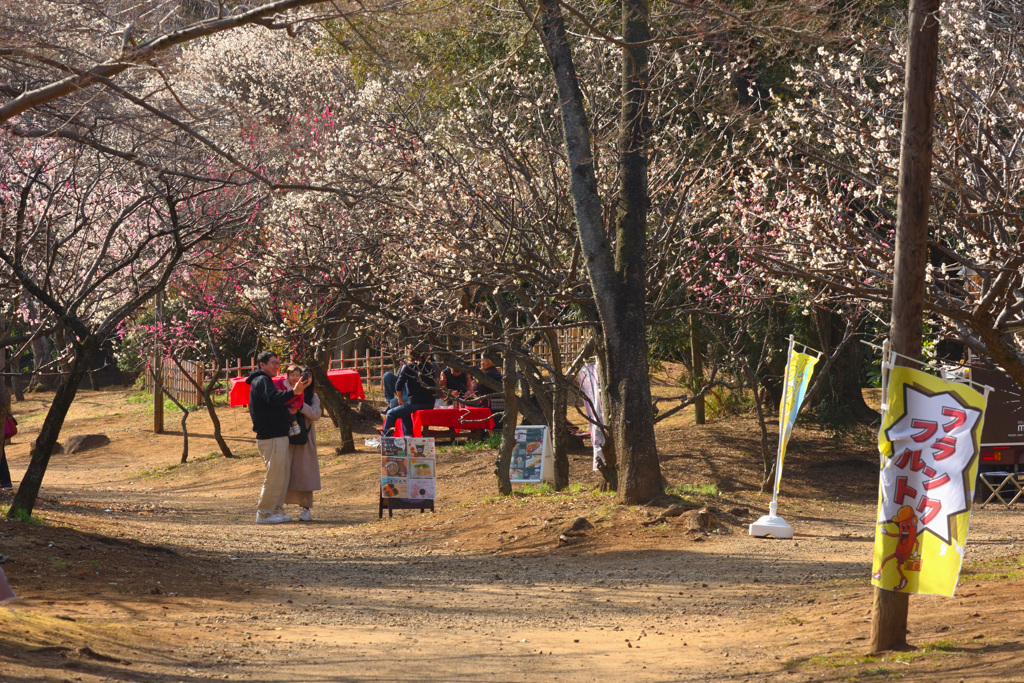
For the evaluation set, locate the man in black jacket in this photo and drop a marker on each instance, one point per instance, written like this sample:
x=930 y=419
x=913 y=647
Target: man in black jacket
x=270 y=421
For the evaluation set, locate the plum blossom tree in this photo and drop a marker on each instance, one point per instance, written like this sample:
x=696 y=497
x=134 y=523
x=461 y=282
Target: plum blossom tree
x=829 y=195
x=92 y=238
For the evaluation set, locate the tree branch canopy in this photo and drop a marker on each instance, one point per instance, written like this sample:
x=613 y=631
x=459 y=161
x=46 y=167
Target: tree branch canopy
x=143 y=52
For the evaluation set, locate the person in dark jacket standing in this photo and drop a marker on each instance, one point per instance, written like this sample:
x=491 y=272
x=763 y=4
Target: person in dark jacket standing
x=271 y=421
x=415 y=381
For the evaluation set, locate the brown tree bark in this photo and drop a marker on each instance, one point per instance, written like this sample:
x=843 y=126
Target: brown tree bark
x=508 y=425
x=616 y=277
x=697 y=367
x=558 y=422
x=335 y=404
x=889 y=611
x=28 y=491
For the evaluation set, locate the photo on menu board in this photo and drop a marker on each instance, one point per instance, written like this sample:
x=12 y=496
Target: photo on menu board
x=421 y=468
x=421 y=489
x=420 y=447
x=394 y=467
x=528 y=455
x=392 y=446
x=394 y=487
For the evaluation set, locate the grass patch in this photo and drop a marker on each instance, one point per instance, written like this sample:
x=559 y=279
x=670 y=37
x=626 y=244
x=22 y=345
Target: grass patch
x=139 y=397
x=694 y=490
x=841 y=660
x=146 y=398
x=541 y=489
x=154 y=472
x=490 y=443
x=852 y=660
x=1000 y=569
x=21 y=516
x=878 y=671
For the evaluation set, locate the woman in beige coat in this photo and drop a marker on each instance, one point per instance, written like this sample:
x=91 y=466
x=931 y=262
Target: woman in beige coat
x=305 y=474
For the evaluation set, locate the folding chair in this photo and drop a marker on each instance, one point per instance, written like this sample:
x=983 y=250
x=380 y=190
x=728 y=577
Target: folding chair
x=1002 y=486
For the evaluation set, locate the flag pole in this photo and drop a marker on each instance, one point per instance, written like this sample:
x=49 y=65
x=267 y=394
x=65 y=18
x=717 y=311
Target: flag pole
x=771 y=524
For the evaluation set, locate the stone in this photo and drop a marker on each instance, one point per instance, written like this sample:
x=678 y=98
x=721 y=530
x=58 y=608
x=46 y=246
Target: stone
x=57 y=448
x=578 y=527
x=85 y=442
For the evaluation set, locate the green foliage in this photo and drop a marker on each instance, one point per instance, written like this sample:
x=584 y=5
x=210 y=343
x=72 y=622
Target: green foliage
x=491 y=442
x=21 y=515
x=669 y=342
x=156 y=472
x=722 y=402
x=694 y=490
x=541 y=489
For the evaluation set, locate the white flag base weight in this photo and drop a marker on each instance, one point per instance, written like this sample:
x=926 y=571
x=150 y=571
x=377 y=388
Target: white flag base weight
x=771 y=525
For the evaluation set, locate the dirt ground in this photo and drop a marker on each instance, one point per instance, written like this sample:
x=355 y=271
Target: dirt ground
x=141 y=569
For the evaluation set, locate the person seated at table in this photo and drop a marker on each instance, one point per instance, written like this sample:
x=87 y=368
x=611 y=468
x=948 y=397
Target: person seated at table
x=415 y=381
x=487 y=397
x=455 y=384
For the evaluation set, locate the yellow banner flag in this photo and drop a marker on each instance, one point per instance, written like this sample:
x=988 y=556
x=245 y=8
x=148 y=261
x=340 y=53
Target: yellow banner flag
x=798 y=377
x=929 y=447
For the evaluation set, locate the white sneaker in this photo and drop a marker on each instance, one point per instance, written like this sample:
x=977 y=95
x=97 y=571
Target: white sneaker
x=275 y=518
x=305 y=516
x=294 y=429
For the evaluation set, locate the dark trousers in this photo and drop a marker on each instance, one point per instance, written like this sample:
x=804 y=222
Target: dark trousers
x=403 y=413
x=5 y=473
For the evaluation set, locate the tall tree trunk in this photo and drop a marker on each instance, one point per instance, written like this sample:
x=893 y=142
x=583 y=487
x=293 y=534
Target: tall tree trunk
x=335 y=404
x=42 y=359
x=508 y=425
x=559 y=428
x=842 y=392
x=28 y=491
x=161 y=391
x=697 y=367
x=617 y=279
x=889 y=611
x=5 y=410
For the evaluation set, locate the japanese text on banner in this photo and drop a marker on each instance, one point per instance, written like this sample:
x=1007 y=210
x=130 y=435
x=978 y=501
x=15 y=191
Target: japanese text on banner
x=929 y=447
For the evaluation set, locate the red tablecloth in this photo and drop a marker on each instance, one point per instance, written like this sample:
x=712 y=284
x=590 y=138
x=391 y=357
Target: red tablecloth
x=348 y=382
x=239 y=395
x=466 y=418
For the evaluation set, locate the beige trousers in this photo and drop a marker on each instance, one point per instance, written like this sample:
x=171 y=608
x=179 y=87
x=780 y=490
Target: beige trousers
x=278 y=460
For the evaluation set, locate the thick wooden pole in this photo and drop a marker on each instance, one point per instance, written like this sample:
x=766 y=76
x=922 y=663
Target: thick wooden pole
x=889 y=613
x=697 y=363
x=158 y=371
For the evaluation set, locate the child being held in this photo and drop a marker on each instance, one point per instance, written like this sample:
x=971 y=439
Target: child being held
x=290 y=379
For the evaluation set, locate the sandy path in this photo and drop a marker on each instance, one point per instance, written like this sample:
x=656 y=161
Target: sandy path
x=479 y=591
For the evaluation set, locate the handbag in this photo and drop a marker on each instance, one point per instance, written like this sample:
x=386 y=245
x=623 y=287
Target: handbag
x=10 y=427
x=302 y=437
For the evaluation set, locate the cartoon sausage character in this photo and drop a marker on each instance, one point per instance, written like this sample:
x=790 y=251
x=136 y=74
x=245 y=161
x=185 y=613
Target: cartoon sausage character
x=907 y=542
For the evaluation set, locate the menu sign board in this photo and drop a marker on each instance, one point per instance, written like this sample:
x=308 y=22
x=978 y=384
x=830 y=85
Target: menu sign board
x=407 y=469
x=531 y=456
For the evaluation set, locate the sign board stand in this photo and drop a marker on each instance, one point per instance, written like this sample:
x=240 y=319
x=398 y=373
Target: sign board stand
x=531 y=456
x=408 y=475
